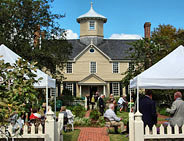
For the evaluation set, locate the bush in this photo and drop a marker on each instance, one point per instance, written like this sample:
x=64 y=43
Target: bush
x=79 y=111
x=82 y=121
x=94 y=114
x=162 y=111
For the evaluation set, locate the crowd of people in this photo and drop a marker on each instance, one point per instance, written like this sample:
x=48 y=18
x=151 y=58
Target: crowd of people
x=149 y=114
x=108 y=108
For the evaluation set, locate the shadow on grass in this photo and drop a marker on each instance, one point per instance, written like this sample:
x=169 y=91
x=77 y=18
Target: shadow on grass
x=117 y=136
x=71 y=136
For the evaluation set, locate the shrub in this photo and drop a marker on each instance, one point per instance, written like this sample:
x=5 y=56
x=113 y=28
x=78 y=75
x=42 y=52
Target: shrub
x=82 y=121
x=79 y=111
x=94 y=114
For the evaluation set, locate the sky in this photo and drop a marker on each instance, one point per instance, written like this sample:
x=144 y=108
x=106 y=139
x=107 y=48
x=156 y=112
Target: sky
x=125 y=18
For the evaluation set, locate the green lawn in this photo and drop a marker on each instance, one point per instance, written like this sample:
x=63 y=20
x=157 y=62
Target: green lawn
x=71 y=136
x=118 y=137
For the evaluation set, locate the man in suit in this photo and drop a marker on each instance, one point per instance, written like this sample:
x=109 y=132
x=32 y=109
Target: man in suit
x=177 y=110
x=101 y=104
x=148 y=109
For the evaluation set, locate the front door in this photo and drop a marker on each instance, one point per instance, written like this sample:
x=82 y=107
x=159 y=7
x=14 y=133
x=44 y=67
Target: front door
x=93 y=90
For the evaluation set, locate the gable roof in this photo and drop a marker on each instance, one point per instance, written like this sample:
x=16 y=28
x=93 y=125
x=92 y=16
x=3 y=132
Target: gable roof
x=92 y=79
x=113 y=48
x=91 y=46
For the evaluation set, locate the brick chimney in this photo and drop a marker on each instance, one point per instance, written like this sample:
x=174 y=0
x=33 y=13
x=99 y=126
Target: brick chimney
x=147 y=28
x=37 y=35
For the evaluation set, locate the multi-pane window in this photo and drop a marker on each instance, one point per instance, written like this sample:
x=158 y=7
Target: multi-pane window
x=115 y=67
x=115 y=89
x=92 y=25
x=93 y=67
x=69 y=67
x=69 y=86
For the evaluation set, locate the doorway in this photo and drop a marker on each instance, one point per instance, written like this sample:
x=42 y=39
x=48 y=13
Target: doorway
x=93 y=90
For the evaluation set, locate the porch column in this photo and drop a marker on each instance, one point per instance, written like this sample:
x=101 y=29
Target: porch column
x=80 y=90
x=104 y=92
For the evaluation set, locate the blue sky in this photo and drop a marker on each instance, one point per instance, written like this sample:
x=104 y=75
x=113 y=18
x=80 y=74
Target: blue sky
x=123 y=16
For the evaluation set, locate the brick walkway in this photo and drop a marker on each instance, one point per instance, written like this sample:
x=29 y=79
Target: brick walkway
x=99 y=134
x=93 y=134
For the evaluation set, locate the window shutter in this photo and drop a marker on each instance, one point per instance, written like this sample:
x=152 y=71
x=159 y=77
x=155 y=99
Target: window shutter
x=121 y=92
x=64 y=85
x=74 y=89
x=110 y=88
x=59 y=89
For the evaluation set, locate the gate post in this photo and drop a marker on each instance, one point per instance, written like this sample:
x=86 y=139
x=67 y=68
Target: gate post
x=49 y=126
x=139 y=127
x=131 y=127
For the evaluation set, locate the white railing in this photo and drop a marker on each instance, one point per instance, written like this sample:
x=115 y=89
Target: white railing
x=136 y=130
x=164 y=132
x=52 y=130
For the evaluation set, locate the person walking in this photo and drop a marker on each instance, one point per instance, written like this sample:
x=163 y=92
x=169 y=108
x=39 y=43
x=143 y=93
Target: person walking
x=101 y=104
x=148 y=109
x=177 y=110
x=122 y=103
x=92 y=101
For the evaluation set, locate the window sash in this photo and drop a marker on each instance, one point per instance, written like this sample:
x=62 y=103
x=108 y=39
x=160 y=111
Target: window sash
x=93 y=67
x=115 y=89
x=92 y=25
x=69 y=67
x=115 y=67
x=69 y=86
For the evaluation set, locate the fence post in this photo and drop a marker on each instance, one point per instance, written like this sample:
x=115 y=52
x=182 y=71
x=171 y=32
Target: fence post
x=131 y=127
x=60 y=125
x=139 y=127
x=85 y=104
x=49 y=126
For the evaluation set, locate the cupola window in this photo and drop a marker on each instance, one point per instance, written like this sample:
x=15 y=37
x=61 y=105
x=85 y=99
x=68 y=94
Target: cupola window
x=91 y=25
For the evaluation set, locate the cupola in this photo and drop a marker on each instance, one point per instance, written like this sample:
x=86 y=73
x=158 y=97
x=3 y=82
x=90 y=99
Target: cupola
x=91 y=27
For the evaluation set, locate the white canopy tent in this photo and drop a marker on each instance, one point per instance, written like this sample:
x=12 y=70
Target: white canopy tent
x=168 y=73
x=47 y=82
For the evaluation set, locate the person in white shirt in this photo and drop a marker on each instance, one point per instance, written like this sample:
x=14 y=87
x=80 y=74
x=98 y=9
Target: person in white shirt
x=110 y=114
x=70 y=116
x=122 y=102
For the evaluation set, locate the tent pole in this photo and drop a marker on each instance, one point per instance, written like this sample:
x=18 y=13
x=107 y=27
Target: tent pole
x=47 y=91
x=130 y=99
x=137 y=94
x=55 y=102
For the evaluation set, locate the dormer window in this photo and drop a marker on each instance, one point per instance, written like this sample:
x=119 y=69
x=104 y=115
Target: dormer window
x=91 y=25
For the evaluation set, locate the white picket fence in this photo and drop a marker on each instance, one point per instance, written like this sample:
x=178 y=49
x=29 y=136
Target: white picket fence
x=52 y=130
x=136 y=130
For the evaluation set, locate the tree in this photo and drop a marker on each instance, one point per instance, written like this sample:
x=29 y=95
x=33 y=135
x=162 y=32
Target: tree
x=16 y=89
x=29 y=28
x=146 y=52
x=143 y=54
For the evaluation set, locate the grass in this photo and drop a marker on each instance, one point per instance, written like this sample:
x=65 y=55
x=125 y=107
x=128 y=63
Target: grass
x=117 y=137
x=71 y=136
